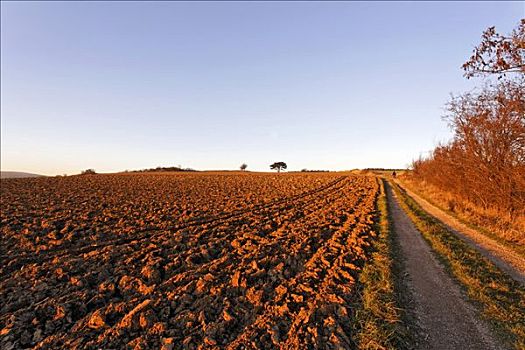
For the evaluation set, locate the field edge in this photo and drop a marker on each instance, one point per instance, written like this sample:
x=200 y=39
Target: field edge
x=380 y=321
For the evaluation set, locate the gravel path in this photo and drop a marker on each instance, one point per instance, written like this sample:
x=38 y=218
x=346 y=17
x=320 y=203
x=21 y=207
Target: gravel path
x=445 y=319
x=503 y=257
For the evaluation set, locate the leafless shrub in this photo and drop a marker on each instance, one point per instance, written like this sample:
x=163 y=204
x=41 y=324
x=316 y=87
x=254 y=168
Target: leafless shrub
x=484 y=163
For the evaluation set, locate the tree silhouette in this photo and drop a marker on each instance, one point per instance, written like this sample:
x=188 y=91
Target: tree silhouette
x=243 y=166
x=88 y=172
x=278 y=166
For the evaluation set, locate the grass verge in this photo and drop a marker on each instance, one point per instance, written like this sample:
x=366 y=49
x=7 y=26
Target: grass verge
x=500 y=298
x=379 y=319
x=487 y=231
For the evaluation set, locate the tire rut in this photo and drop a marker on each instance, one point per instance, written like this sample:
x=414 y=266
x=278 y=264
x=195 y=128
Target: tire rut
x=446 y=320
x=503 y=257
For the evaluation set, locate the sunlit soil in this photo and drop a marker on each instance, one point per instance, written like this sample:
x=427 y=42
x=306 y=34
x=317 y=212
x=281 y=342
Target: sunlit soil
x=183 y=261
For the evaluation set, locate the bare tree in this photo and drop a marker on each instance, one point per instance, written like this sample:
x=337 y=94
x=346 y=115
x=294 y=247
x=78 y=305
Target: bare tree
x=498 y=54
x=484 y=164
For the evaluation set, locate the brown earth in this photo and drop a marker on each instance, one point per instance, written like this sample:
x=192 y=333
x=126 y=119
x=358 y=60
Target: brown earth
x=186 y=261
x=444 y=318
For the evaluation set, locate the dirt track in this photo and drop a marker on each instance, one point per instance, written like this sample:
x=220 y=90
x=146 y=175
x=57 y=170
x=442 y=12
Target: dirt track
x=503 y=257
x=445 y=319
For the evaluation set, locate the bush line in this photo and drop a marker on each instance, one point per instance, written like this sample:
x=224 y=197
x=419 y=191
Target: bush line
x=475 y=223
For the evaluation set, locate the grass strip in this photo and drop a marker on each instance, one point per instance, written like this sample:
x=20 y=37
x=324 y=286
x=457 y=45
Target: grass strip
x=484 y=230
x=378 y=317
x=500 y=298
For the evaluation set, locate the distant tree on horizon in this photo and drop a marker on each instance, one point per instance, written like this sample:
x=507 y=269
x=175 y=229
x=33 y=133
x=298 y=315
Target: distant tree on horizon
x=243 y=166
x=278 y=166
x=88 y=172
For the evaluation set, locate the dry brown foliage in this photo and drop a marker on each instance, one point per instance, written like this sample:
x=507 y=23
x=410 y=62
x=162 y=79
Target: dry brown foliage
x=498 y=54
x=483 y=167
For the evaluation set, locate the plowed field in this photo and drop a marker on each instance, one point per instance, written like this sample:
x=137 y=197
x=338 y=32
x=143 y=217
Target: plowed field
x=183 y=261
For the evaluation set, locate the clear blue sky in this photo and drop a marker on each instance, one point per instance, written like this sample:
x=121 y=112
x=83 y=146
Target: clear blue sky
x=332 y=85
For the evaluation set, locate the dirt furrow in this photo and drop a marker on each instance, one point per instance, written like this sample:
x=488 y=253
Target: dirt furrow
x=229 y=287
x=187 y=250
x=14 y=262
x=200 y=286
x=297 y=297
